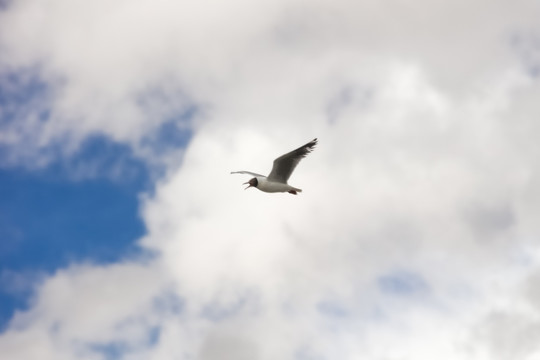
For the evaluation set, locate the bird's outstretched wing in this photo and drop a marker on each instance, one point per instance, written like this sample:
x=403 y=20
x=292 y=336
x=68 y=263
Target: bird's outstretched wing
x=246 y=172
x=285 y=164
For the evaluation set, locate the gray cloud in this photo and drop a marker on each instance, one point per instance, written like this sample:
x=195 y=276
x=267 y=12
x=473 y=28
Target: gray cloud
x=508 y=335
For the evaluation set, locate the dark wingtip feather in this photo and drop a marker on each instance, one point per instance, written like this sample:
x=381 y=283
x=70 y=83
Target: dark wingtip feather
x=308 y=148
x=311 y=144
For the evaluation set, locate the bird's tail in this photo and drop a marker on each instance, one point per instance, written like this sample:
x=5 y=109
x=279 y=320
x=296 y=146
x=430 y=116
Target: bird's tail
x=294 y=191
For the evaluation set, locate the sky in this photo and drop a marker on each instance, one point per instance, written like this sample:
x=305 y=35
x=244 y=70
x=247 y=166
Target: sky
x=124 y=236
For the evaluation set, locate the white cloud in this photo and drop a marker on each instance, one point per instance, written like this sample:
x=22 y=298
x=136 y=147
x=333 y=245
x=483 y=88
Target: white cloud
x=427 y=166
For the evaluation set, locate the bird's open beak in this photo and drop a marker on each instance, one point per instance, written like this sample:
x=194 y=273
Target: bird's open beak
x=249 y=185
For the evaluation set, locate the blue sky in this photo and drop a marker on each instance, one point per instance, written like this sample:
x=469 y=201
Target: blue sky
x=124 y=236
x=79 y=207
x=50 y=220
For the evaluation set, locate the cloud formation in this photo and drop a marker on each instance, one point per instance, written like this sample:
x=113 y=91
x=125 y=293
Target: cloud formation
x=415 y=236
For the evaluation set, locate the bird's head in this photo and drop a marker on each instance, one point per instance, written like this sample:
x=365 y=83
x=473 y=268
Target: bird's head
x=253 y=182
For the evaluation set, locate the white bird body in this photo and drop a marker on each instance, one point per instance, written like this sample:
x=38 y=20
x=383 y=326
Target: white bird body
x=282 y=169
x=265 y=185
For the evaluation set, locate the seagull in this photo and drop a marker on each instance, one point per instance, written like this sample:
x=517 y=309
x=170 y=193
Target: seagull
x=282 y=169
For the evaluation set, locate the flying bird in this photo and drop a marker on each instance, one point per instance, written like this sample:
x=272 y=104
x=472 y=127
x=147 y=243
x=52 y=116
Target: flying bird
x=282 y=169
